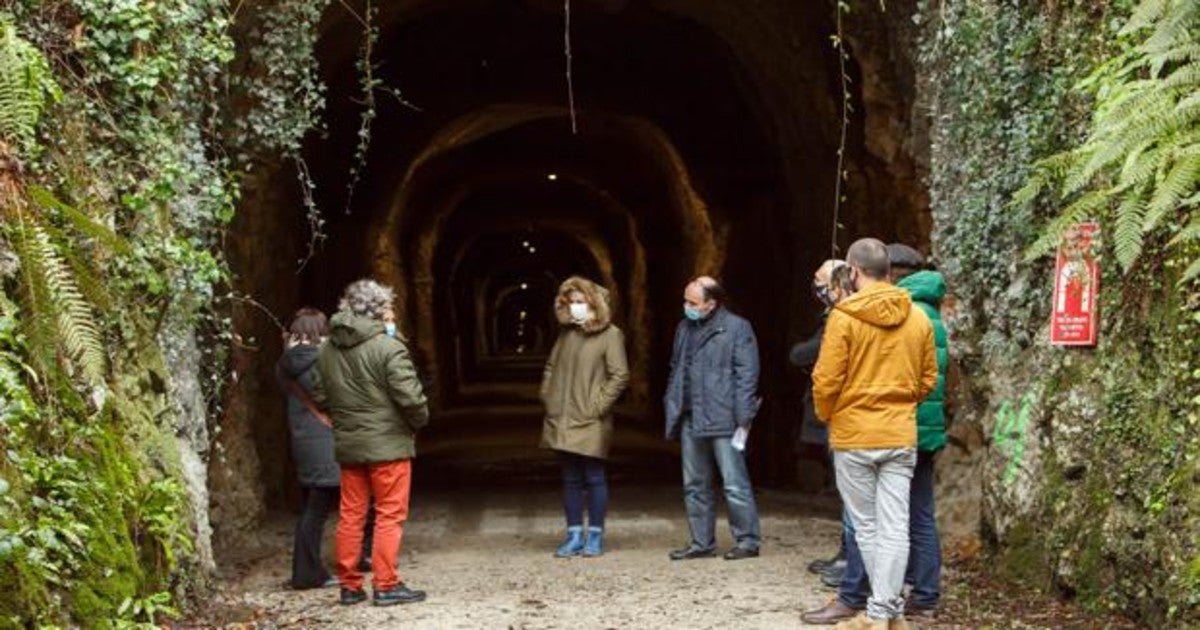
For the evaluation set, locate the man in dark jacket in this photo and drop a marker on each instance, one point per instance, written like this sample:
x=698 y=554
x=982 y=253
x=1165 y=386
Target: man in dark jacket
x=710 y=402
x=927 y=288
x=375 y=400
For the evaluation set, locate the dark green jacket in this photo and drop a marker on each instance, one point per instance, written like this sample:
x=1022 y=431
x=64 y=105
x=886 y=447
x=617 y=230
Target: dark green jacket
x=927 y=289
x=370 y=388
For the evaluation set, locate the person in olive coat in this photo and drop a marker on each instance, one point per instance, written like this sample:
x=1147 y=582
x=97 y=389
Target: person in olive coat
x=369 y=385
x=585 y=374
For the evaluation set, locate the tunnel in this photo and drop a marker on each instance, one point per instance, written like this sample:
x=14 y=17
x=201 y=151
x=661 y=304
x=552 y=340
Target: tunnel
x=703 y=139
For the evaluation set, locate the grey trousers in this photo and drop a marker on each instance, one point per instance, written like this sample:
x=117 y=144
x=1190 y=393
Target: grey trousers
x=874 y=485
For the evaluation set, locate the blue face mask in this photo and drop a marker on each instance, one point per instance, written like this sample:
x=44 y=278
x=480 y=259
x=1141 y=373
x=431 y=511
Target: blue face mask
x=692 y=313
x=390 y=328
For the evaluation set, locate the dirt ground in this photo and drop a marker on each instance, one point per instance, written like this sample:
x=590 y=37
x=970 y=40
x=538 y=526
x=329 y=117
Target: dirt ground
x=486 y=561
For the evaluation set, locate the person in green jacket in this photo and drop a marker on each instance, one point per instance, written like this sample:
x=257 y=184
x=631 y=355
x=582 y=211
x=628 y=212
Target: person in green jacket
x=928 y=288
x=585 y=374
x=368 y=385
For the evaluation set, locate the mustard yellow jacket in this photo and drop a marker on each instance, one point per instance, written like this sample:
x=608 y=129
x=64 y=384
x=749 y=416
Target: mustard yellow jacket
x=877 y=363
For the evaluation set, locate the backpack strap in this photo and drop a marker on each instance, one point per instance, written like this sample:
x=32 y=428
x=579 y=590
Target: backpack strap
x=300 y=394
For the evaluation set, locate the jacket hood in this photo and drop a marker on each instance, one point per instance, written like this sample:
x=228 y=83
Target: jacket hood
x=597 y=296
x=925 y=286
x=347 y=331
x=881 y=305
x=298 y=359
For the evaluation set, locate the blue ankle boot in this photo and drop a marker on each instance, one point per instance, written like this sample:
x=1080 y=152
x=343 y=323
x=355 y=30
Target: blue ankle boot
x=573 y=544
x=595 y=542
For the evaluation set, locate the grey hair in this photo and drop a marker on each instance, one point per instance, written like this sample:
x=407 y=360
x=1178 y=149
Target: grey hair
x=367 y=298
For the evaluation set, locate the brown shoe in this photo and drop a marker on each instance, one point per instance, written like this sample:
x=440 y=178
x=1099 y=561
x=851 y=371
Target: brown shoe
x=829 y=614
x=920 y=614
x=863 y=622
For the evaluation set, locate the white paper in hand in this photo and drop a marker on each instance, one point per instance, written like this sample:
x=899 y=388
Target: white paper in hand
x=738 y=441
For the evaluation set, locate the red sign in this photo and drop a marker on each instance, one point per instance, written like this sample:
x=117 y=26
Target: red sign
x=1076 y=285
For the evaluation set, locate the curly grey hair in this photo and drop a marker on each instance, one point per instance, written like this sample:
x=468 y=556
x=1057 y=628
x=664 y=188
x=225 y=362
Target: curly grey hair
x=367 y=298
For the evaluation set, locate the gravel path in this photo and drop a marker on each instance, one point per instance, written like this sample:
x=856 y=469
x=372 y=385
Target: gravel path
x=486 y=562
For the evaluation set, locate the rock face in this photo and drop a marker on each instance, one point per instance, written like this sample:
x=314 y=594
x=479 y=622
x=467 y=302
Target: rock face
x=184 y=361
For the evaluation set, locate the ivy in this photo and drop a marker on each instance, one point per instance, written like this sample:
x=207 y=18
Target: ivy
x=116 y=221
x=1115 y=435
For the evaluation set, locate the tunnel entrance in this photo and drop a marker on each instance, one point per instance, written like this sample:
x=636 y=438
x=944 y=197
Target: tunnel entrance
x=706 y=144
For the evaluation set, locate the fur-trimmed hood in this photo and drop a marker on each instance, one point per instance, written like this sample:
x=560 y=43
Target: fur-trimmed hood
x=596 y=295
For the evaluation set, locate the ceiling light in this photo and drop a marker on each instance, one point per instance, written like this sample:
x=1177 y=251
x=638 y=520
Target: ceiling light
x=552 y=176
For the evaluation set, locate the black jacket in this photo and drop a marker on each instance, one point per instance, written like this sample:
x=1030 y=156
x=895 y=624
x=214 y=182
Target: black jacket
x=804 y=355
x=312 y=441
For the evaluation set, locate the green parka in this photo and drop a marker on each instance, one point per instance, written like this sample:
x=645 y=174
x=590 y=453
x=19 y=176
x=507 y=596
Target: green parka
x=369 y=386
x=585 y=374
x=927 y=289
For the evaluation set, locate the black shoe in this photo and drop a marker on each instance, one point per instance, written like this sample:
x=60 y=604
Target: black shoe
x=832 y=577
x=364 y=565
x=740 y=553
x=350 y=597
x=691 y=553
x=819 y=566
x=329 y=582
x=398 y=594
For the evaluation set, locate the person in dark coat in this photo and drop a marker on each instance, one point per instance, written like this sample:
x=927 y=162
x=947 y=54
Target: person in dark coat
x=830 y=285
x=312 y=447
x=710 y=404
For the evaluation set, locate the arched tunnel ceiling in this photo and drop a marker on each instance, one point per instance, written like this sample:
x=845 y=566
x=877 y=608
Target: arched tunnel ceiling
x=626 y=163
x=707 y=135
x=673 y=137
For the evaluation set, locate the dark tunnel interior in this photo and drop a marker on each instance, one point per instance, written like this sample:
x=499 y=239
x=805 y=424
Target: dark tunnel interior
x=476 y=205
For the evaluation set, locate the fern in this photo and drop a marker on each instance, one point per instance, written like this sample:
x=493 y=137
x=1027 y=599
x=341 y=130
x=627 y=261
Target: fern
x=59 y=320
x=1140 y=165
x=27 y=87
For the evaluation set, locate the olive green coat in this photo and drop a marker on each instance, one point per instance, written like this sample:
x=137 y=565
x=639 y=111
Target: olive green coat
x=368 y=384
x=585 y=375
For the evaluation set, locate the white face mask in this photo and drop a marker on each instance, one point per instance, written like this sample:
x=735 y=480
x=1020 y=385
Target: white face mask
x=580 y=312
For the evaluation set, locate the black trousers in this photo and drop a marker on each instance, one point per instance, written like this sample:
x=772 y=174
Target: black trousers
x=308 y=569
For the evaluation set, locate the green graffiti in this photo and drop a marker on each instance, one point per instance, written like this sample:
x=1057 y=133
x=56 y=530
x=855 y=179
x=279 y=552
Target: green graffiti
x=1009 y=436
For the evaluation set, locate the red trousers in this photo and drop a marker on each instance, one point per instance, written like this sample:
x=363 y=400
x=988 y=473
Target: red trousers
x=390 y=483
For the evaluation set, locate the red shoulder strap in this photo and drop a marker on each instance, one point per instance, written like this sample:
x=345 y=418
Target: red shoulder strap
x=296 y=390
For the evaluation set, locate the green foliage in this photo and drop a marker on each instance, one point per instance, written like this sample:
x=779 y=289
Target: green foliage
x=27 y=87
x=1139 y=168
x=280 y=78
x=117 y=222
x=60 y=319
x=142 y=614
x=1112 y=451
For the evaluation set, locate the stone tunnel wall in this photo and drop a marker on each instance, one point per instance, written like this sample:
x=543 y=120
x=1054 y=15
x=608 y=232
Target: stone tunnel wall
x=952 y=103
x=791 y=87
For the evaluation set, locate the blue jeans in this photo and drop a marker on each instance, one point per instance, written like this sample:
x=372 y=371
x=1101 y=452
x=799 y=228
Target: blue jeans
x=579 y=472
x=699 y=455
x=925 y=548
x=925 y=552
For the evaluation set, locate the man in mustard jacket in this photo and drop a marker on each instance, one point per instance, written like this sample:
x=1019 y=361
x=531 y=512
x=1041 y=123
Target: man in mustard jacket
x=877 y=363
